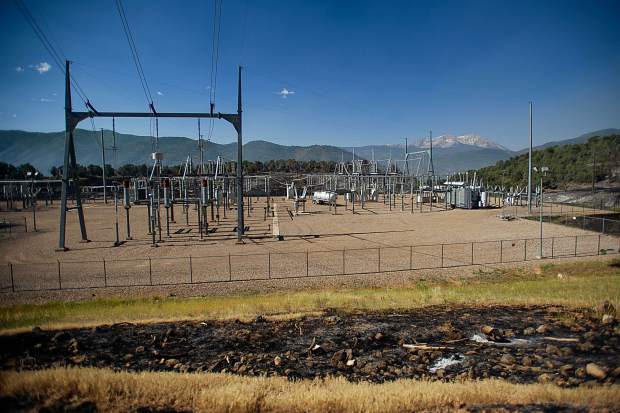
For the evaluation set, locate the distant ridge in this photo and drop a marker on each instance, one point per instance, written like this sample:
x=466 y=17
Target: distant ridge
x=451 y=153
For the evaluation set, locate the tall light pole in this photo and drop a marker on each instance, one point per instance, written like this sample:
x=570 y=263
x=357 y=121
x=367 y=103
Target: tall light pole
x=543 y=172
x=529 y=169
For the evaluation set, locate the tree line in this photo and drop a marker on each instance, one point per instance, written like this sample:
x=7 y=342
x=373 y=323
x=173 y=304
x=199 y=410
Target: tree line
x=596 y=160
x=90 y=172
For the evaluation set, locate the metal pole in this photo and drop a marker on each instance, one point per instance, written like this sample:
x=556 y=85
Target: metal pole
x=529 y=168
x=105 y=198
x=541 y=216
x=105 y=274
x=191 y=271
x=118 y=241
x=240 y=225
x=59 y=277
x=12 y=280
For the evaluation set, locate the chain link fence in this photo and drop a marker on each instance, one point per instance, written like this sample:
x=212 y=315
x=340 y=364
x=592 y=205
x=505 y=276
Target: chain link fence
x=64 y=275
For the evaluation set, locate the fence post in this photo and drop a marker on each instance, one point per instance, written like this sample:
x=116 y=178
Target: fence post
x=501 y=251
x=472 y=253
x=229 y=268
x=603 y=230
x=598 y=247
x=191 y=270
x=441 y=255
x=59 y=278
x=552 y=245
x=12 y=280
x=379 y=259
x=411 y=255
x=307 y=264
x=575 y=245
x=269 y=264
x=105 y=275
x=150 y=271
x=25 y=225
x=525 y=250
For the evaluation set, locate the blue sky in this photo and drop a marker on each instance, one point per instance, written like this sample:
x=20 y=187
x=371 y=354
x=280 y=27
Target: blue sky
x=361 y=72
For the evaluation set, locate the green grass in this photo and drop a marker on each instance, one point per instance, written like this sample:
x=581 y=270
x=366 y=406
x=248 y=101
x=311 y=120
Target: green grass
x=582 y=284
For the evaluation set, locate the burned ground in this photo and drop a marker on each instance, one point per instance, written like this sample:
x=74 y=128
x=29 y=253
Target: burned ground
x=521 y=344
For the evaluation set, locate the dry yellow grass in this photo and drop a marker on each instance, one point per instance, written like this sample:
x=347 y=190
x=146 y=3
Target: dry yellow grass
x=583 y=284
x=112 y=391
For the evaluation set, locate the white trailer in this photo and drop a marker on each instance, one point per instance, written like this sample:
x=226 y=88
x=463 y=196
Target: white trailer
x=324 y=197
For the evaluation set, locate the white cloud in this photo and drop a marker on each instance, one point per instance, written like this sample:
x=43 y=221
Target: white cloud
x=42 y=67
x=19 y=69
x=14 y=115
x=159 y=93
x=45 y=100
x=285 y=92
x=54 y=94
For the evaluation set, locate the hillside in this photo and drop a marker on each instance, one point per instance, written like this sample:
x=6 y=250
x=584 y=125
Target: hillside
x=568 y=164
x=44 y=150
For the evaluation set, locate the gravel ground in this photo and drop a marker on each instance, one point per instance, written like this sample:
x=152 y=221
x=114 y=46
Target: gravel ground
x=381 y=243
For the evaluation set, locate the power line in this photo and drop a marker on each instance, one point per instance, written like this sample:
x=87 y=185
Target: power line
x=215 y=57
x=134 y=52
x=57 y=57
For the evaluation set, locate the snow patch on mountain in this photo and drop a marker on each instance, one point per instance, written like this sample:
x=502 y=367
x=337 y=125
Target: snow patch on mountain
x=448 y=141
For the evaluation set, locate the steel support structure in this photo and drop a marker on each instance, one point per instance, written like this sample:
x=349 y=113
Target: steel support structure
x=69 y=172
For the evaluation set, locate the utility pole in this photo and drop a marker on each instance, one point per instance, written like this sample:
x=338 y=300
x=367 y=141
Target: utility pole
x=529 y=168
x=240 y=224
x=201 y=168
x=431 y=167
x=105 y=198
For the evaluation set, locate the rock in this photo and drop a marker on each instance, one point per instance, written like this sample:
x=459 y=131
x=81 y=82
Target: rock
x=171 y=362
x=616 y=372
x=595 y=371
x=28 y=362
x=338 y=357
x=277 y=361
x=333 y=319
x=545 y=378
x=79 y=359
x=37 y=330
x=542 y=329
x=351 y=363
x=379 y=336
x=551 y=349
x=128 y=357
x=349 y=353
x=61 y=336
x=566 y=369
x=608 y=319
x=487 y=330
x=529 y=331
x=73 y=345
x=526 y=361
x=606 y=308
x=507 y=359
x=580 y=373
x=140 y=349
x=260 y=319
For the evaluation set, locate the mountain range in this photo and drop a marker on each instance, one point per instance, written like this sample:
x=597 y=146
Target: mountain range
x=450 y=153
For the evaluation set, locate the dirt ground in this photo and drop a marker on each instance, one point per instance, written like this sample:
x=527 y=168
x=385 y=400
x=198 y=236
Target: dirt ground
x=319 y=229
x=522 y=344
x=317 y=242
